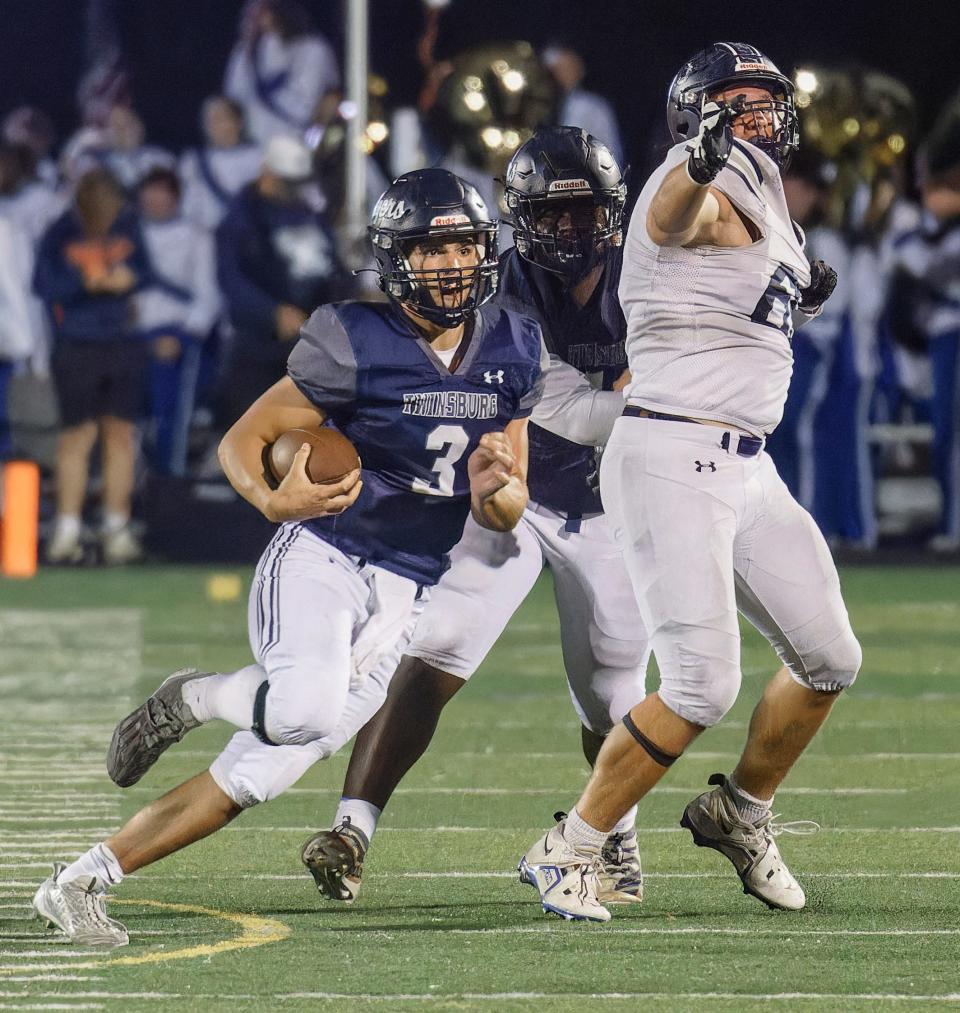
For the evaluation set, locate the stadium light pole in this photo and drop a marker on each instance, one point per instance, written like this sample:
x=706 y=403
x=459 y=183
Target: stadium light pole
x=355 y=166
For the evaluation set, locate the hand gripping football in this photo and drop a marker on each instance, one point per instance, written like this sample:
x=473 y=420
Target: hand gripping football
x=332 y=455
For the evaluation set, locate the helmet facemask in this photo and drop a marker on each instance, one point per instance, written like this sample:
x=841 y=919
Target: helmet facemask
x=567 y=236
x=445 y=296
x=769 y=124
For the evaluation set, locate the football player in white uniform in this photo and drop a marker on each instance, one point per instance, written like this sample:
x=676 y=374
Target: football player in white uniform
x=713 y=273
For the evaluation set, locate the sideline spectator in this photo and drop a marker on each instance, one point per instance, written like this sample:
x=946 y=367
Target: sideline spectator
x=16 y=338
x=803 y=462
x=276 y=262
x=90 y=262
x=280 y=69
x=25 y=199
x=925 y=308
x=579 y=107
x=175 y=313
x=34 y=129
x=213 y=174
x=127 y=157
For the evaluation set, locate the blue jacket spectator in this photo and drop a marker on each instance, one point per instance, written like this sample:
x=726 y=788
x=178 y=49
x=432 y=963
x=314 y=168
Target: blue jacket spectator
x=276 y=262
x=73 y=273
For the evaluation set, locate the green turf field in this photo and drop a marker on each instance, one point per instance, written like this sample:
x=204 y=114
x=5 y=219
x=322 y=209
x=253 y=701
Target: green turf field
x=235 y=924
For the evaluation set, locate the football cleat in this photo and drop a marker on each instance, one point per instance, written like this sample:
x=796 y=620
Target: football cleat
x=621 y=877
x=335 y=860
x=79 y=910
x=567 y=878
x=715 y=823
x=145 y=734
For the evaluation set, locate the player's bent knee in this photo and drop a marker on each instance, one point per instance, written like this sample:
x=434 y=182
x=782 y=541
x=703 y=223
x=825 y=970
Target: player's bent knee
x=290 y=720
x=834 y=667
x=705 y=693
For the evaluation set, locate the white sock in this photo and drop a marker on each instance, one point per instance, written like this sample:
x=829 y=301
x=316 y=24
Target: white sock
x=99 y=861
x=67 y=526
x=627 y=822
x=113 y=522
x=364 y=816
x=580 y=834
x=752 y=809
x=228 y=697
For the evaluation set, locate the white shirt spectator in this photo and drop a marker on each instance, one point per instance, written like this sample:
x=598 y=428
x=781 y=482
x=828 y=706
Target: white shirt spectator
x=17 y=336
x=212 y=176
x=183 y=258
x=593 y=113
x=32 y=208
x=278 y=84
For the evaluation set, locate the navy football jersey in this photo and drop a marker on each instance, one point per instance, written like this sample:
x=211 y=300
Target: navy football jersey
x=590 y=338
x=414 y=423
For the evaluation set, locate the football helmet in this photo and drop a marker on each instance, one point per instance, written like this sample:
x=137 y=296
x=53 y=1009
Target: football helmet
x=433 y=203
x=729 y=63
x=565 y=194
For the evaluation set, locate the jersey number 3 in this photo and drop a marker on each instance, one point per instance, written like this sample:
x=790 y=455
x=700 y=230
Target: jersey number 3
x=450 y=442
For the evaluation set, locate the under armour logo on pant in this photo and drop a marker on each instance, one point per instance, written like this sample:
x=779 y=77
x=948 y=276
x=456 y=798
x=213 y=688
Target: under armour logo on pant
x=705 y=464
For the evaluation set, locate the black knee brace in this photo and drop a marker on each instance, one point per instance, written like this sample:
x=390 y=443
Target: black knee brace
x=259 y=714
x=653 y=751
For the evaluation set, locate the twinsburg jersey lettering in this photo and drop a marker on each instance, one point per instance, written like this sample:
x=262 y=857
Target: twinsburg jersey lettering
x=451 y=404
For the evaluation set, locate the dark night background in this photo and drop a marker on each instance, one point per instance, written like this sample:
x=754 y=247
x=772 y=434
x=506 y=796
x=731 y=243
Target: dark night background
x=178 y=48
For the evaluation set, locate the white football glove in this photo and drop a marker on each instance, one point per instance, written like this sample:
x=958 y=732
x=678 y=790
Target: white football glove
x=714 y=140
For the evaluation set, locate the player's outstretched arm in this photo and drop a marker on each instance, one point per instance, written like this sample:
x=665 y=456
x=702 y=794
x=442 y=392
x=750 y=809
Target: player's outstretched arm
x=572 y=408
x=241 y=454
x=498 y=477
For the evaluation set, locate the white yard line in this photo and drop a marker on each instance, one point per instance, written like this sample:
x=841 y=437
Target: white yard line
x=500 y=874
x=565 y=790
x=499 y=831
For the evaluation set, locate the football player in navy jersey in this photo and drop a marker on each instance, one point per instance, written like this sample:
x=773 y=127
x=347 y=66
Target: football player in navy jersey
x=566 y=194
x=434 y=389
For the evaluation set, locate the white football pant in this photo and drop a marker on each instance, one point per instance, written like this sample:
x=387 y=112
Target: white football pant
x=605 y=650
x=704 y=531
x=328 y=631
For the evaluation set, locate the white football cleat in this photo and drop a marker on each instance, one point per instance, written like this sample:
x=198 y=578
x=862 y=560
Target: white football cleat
x=565 y=877
x=715 y=823
x=79 y=910
x=621 y=876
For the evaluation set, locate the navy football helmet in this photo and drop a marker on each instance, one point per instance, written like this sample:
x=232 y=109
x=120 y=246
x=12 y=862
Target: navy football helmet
x=565 y=193
x=433 y=203
x=726 y=64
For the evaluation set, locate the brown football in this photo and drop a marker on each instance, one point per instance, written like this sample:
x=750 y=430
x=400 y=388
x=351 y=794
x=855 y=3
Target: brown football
x=332 y=455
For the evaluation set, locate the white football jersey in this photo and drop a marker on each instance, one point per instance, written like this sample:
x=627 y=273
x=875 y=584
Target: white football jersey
x=709 y=328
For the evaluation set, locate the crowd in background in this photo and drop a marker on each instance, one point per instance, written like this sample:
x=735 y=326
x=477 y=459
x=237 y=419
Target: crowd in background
x=147 y=297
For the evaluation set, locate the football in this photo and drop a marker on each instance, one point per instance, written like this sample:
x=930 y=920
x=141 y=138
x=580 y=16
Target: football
x=332 y=455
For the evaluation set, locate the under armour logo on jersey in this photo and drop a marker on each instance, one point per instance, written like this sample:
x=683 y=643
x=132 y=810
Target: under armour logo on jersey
x=490 y=376
x=705 y=464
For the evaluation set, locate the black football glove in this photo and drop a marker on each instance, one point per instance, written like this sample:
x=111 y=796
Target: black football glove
x=714 y=141
x=823 y=280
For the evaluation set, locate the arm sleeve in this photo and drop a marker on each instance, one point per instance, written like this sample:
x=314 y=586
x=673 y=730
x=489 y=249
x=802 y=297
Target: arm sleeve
x=206 y=296
x=571 y=408
x=16 y=336
x=54 y=279
x=323 y=364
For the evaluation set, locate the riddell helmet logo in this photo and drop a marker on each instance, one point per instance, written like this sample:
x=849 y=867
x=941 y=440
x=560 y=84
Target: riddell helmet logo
x=459 y=219
x=752 y=65
x=562 y=185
